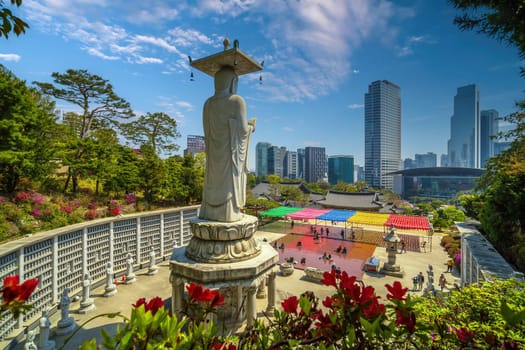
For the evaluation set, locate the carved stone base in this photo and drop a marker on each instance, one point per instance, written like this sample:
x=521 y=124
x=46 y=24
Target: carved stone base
x=221 y=242
x=392 y=270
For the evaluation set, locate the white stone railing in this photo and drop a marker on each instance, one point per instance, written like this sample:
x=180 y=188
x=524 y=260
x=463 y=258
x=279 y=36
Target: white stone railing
x=59 y=258
x=480 y=262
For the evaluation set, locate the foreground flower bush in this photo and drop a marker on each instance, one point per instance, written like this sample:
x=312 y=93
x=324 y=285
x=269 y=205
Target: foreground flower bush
x=488 y=316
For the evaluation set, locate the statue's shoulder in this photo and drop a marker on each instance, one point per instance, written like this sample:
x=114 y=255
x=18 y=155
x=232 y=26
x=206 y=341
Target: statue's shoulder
x=236 y=99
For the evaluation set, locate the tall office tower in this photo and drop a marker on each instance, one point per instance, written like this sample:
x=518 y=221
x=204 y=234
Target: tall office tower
x=261 y=158
x=488 y=129
x=444 y=160
x=314 y=164
x=290 y=165
x=340 y=168
x=382 y=133
x=463 y=145
x=428 y=160
x=276 y=160
x=194 y=145
x=300 y=163
x=409 y=163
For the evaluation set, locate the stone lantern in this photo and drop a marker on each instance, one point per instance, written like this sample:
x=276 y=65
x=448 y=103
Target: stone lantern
x=391 y=267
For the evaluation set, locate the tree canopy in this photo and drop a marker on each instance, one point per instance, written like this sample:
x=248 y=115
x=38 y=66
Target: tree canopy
x=9 y=22
x=27 y=125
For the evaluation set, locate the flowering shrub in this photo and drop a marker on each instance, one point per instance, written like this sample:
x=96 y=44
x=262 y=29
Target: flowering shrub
x=151 y=326
x=352 y=318
x=113 y=208
x=14 y=295
x=90 y=214
x=130 y=198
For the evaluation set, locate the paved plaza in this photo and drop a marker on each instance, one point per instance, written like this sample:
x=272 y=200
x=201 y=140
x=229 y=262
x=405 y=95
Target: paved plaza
x=158 y=285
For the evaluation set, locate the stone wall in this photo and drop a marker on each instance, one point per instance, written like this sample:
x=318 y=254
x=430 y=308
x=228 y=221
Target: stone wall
x=59 y=258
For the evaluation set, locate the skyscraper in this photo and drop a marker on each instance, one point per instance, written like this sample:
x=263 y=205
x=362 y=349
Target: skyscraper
x=290 y=165
x=261 y=158
x=488 y=128
x=382 y=133
x=315 y=164
x=428 y=160
x=194 y=144
x=300 y=163
x=340 y=168
x=463 y=145
x=276 y=157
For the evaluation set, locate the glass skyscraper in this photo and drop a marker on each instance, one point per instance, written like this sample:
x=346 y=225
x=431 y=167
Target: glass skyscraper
x=382 y=133
x=261 y=158
x=464 y=142
x=340 y=168
x=488 y=129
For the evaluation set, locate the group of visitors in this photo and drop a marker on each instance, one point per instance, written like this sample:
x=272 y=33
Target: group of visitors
x=326 y=257
x=341 y=250
x=418 y=281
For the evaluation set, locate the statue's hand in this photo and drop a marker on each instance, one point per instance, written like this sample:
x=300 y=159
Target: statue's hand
x=252 y=122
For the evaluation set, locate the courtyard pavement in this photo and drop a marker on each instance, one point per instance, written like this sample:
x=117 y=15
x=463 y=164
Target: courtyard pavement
x=158 y=285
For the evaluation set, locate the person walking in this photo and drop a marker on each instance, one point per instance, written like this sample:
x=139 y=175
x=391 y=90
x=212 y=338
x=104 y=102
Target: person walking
x=421 y=280
x=442 y=282
x=403 y=247
x=450 y=265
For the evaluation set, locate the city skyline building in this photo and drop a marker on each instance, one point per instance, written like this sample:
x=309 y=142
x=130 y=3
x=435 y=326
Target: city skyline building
x=276 y=157
x=194 y=144
x=340 y=168
x=261 y=158
x=488 y=130
x=428 y=160
x=300 y=163
x=290 y=165
x=382 y=133
x=315 y=164
x=463 y=145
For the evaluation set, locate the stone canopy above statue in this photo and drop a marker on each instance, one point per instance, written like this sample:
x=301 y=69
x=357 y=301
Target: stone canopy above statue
x=234 y=57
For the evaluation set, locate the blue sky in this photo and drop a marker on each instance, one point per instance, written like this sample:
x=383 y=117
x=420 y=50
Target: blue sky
x=320 y=56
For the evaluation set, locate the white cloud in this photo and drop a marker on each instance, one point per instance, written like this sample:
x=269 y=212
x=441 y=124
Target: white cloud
x=94 y=52
x=142 y=60
x=156 y=41
x=287 y=129
x=184 y=104
x=308 y=50
x=355 y=106
x=10 y=57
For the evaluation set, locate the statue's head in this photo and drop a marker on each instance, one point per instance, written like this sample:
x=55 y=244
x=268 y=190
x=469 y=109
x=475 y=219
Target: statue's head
x=226 y=79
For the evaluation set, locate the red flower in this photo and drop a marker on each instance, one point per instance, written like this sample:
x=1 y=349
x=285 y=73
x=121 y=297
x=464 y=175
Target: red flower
x=464 y=335
x=329 y=302
x=330 y=278
x=198 y=293
x=141 y=301
x=372 y=309
x=155 y=304
x=396 y=291
x=218 y=299
x=290 y=304
x=406 y=318
x=13 y=291
x=223 y=346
